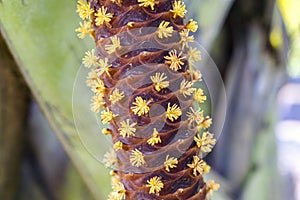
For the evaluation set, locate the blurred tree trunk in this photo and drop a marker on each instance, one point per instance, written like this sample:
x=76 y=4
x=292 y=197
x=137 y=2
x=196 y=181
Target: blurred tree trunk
x=14 y=103
x=253 y=69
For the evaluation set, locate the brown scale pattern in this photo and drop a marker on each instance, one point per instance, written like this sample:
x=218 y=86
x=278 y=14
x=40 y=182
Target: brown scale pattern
x=179 y=183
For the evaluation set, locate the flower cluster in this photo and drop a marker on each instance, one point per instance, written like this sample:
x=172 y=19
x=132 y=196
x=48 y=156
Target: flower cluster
x=173 y=85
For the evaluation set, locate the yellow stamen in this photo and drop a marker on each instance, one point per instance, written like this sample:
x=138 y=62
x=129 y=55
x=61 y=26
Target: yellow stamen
x=178 y=9
x=102 y=17
x=164 y=31
x=174 y=61
x=155 y=139
x=155 y=185
x=140 y=106
x=127 y=129
x=170 y=163
x=137 y=158
x=173 y=113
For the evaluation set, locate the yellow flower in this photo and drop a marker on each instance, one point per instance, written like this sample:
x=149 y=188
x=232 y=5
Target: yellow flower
x=170 y=163
x=192 y=25
x=140 y=106
x=193 y=56
x=107 y=116
x=98 y=87
x=116 y=196
x=110 y=158
x=199 y=96
x=84 y=9
x=173 y=60
x=185 y=38
x=116 y=96
x=84 y=29
x=103 y=67
x=199 y=166
x=90 y=59
x=155 y=185
x=155 y=139
x=195 y=116
x=159 y=82
x=117 y=1
x=127 y=129
x=206 y=123
x=130 y=24
x=106 y=131
x=118 y=145
x=92 y=78
x=102 y=16
x=186 y=88
x=97 y=103
x=173 y=112
x=111 y=48
x=119 y=191
x=137 y=158
x=211 y=186
x=196 y=75
x=115 y=180
x=178 y=9
x=164 y=31
x=146 y=3
x=206 y=142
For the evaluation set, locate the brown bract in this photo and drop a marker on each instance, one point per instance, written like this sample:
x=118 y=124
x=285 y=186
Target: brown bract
x=146 y=179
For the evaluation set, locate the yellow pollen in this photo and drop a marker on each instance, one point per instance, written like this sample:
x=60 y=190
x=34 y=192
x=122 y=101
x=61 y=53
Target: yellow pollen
x=97 y=103
x=84 y=9
x=137 y=158
x=127 y=129
x=198 y=166
x=155 y=139
x=206 y=142
x=118 y=145
x=178 y=9
x=103 y=67
x=174 y=61
x=106 y=131
x=107 y=116
x=199 y=96
x=102 y=17
x=110 y=158
x=116 y=96
x=140 y=106
x=173 y=112
x=115 y=44
x=193 y=56
x=159 y=82
x=147 y=3
x=185 y=38
x=164 y=31
x=155 y=185
x=84 y=29
x=211 y=186
x=170 y=162
x=192 y=25
x=195 y=116
x=130 y=24
x=186 y=88
x=117 y=1
x=90 y=59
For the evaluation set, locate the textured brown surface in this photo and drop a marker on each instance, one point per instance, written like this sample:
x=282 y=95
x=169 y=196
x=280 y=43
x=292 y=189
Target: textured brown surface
x=179 y=183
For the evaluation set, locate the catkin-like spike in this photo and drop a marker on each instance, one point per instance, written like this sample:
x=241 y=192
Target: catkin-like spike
x=154 y=128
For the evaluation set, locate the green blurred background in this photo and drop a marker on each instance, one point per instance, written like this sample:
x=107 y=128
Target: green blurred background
x=255 y=44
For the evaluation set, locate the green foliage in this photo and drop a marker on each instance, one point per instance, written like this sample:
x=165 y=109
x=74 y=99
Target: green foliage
x=41 y=36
